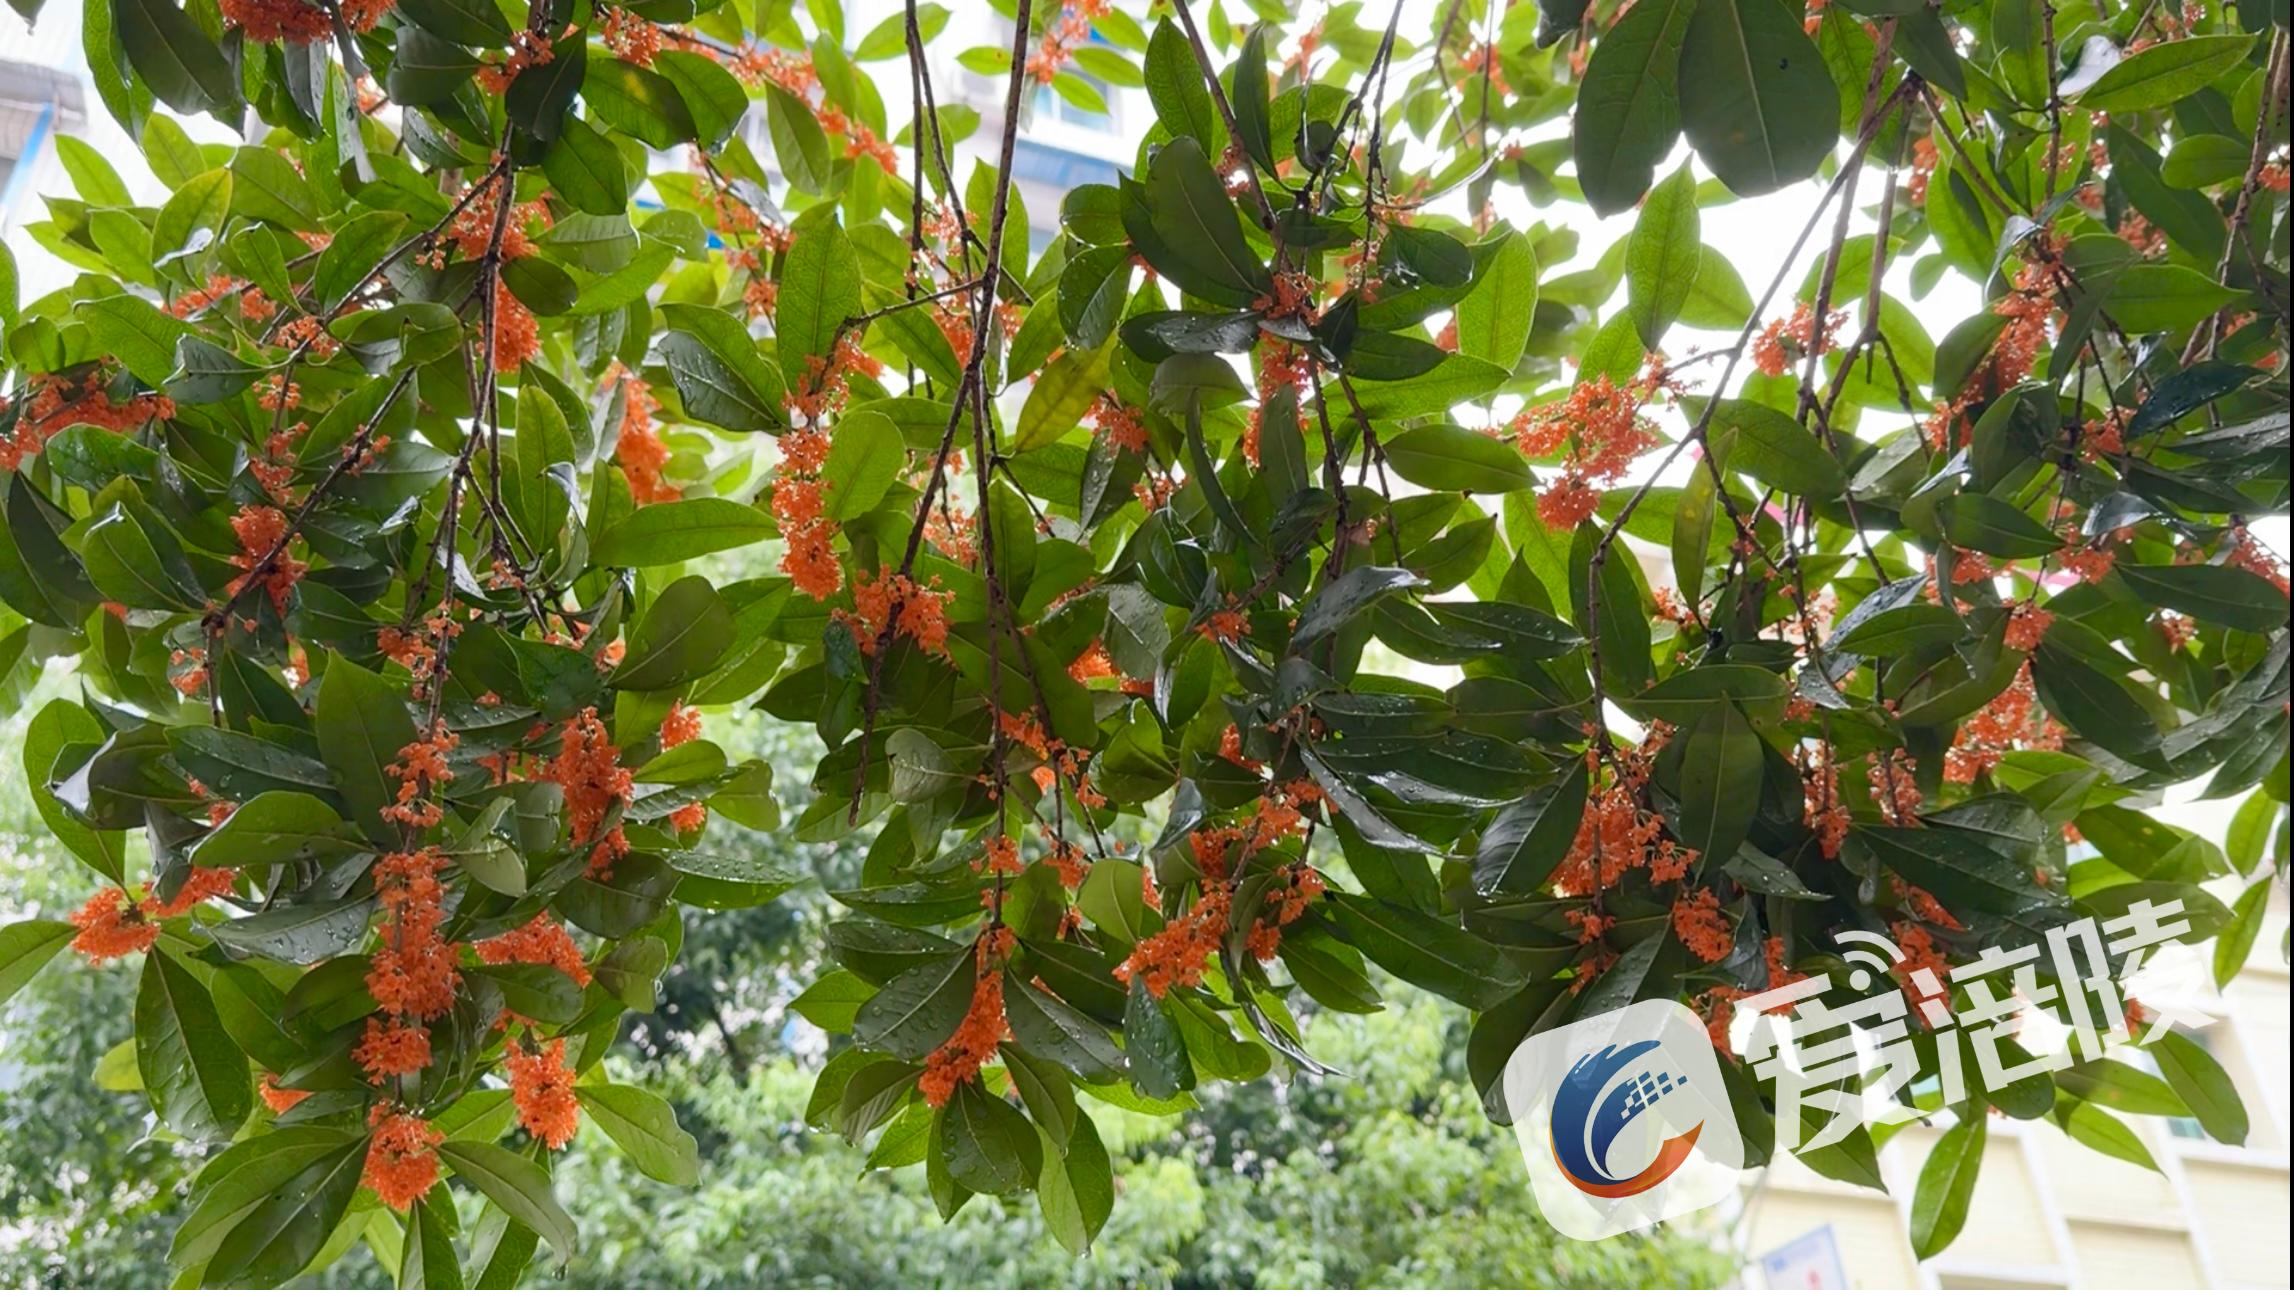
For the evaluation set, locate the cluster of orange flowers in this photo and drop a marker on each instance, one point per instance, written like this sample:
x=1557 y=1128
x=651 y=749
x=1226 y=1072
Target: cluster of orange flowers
x=1700 y=925
x=631 y=38
x=1787 y=339
x=2091 y=561
x=2010 y=721
x=543 y=940
x=261 y=530
x=1179 y=954
x=1598 y=430
x=416 y=649
x=2027 y=625
x=912 y=609
x=1060 y=38
x=639 y=451
x=299 y=23
x=1821 y=809
x=1716 y=1002
x=1895 y=785
x=527 y=49
x=959 y=1060
x=1281 y=366
x=401 y=1156
x=419 y=769
x=808 y=533
x=2027 y=309
x=588 y=768
x=1924 y=157
x=1616 y=833
x=2248 y=553
x=415 y=971
x=56 y=406
x=541 y=1085
x=253 y=304
x=113 y=925
x=1122 y=426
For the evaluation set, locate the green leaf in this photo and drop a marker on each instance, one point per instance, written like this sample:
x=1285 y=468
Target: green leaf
x=136 y=333
x=26 y=947
x=1153 y=1048
x=2096 y=707
x=2199 y=1080
x=2098 y=1130
x=685 y=631
x=1661 y=255
x=988 y=1145
x=1718 y=299
x=2164 y=74
x=668 y=532
x=1048 y=1026
x=714 y=100
x=1721 y=764
x=1901 y=630
x=2211 y=593
x=720 y=375
x=1521 y=847
x=586 y=169
x=518 y=1185
x=1947 y=1183
x=1433 y=953
x=798 y=141
x=298 y=934
x=201 y=204
x=427 y=1261
x=645 y=1127
x=638 y=102
x=1175 y=87
x=1758 y=103
x=194 y=1075
x=266 y=186
x=1459 y=378
x=207 y=373
x=126 y=566
x=465 y=22
x=1061 y=396
x=1251 y=99
x=1959 y=867
x=1076 y=1188
x=1337 y=603
x=2164 y=297
x=1981 y=522
x=540 y=103
x=820 y=289
x=1628 y=107
x=285 y=1230
x=179 y=62
x=1197 y=239
x=1775 y=449
x=2230 y=949
x=1495 y=317
x=917 y=1010
x=1452 y=458
x=357 y=247
x=362 y=725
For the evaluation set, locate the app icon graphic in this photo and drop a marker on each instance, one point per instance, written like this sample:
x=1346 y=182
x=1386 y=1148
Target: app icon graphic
x=1623 y=1119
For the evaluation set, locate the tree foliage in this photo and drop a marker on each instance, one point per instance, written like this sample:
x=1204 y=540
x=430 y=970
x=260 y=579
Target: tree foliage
x=365 y=479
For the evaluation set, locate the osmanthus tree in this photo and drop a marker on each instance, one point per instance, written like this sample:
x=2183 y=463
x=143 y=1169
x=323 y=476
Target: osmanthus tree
x=361 y=477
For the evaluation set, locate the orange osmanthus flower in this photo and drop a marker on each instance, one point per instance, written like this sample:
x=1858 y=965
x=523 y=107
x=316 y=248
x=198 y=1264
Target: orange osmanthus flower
x=542 y=1086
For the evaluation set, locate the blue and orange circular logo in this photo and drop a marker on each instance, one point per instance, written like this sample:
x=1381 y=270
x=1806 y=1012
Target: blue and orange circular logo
x=1593 y=1106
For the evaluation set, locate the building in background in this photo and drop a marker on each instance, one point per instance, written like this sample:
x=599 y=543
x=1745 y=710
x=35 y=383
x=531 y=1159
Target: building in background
x=2050 y=1214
